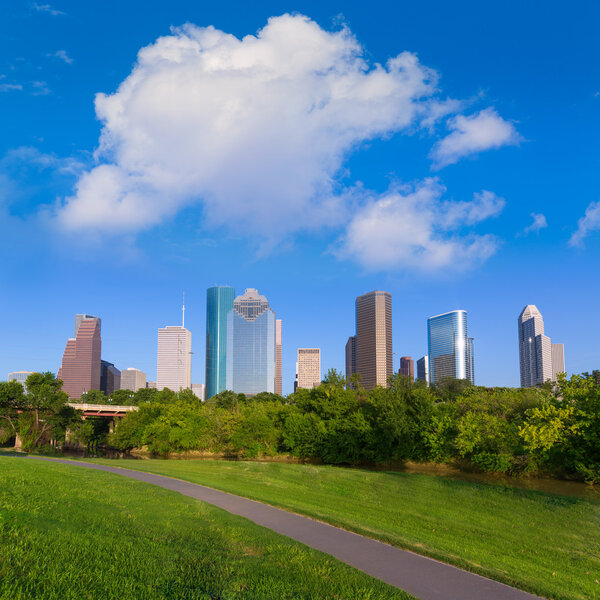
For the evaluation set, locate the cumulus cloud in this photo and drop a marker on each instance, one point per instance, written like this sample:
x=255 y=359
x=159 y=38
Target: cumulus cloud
x=254 y=128
x=413 y=228
x=539 y=222
x=484 y=130
x=588 y=223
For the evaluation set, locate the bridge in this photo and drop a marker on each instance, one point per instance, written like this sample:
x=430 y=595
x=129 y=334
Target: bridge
x=110 y=411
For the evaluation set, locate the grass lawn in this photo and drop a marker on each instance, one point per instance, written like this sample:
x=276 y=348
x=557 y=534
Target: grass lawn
x=72 y=534
x=543 y=543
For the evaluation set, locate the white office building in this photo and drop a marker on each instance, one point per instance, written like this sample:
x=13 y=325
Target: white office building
x=174 y=358
x=540 y=359
x=308 y=367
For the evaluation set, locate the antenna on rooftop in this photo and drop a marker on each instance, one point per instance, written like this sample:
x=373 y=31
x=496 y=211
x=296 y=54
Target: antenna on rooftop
x=183 y=311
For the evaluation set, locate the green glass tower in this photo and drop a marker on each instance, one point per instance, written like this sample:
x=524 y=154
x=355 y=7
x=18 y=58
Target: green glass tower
x=219 y=301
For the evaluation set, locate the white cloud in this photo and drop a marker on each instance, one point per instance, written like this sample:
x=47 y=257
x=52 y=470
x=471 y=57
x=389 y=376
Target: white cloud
x=415 y=229
x=588 y=223
x=62 y=54
x=40 y=88
x=539 y=222
x=482 y=131
x=47 y=8
x=9 y=87
x=256 y=129
x=28 y=155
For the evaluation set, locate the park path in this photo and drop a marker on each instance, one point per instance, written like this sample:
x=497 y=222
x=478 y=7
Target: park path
x=423 y=577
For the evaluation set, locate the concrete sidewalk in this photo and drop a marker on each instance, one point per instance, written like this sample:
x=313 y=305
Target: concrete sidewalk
x=418 y=575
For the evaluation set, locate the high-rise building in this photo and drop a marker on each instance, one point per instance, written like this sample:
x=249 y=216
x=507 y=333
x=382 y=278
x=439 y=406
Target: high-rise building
x=308 y=367
x=350 y=358
x=251 y=345
x=110 y=377
x=174 y=357
x=407 y=367
x=219 y=301
x=450 y=348
x=374 y=360
x=199 y=390
x=80 y=369
x=133 y=379
x=151 y=385
x=423 y=369
x=278 y=357
x=558 y=360
x=540 y=360
x=20 y=376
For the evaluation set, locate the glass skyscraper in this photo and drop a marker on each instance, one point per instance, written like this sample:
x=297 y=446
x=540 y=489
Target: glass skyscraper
x=450 y=348
x=251 y=345
x=219 y=301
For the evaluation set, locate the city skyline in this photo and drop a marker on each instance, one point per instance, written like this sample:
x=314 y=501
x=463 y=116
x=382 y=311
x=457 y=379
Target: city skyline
x=410 y=204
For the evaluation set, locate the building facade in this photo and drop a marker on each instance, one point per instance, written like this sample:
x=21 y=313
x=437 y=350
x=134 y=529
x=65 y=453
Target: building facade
x=374 y=359
x=20 y=376
x=278 y=356
x=350 y=359
x=251 y=345
x=110 y=377
x=450 y=348
x=199 y=390
x=539 y=359
x=174 y=358
x=219 y=302
x=407 y=367
x=423 y=369
x=133 y=379
x=80 y=369
x=308 y=367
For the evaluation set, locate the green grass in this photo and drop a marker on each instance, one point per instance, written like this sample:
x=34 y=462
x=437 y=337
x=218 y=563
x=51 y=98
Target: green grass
x=544 y=543
x=73 y=534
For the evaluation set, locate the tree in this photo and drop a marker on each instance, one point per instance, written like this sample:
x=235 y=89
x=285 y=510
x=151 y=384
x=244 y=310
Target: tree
x=94 y=397
x=122 y=398
x=33 y=415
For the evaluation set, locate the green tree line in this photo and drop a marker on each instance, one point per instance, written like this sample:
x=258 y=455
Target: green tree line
x=553 y=429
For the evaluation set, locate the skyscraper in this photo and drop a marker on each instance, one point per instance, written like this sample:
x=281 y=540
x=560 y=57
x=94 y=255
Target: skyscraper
x=80 y=369
x=407 y=367
x=278 y=357
x=219 y=301
x=540 y=360
x=251 y=345
x=174 y=357
x=423 y=369
x=374 y=338
x=110 y=377
x=133 y=379
x=450 y=348
x=308 y=367
x=350 y=358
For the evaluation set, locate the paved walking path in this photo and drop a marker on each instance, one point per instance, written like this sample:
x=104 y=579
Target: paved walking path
x=418 y=575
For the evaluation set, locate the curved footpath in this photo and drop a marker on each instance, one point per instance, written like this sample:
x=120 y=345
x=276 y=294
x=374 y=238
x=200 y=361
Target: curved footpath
x=423 y=577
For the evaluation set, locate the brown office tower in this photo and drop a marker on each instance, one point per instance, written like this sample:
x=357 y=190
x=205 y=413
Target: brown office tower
x=278 y=356
x=374 y=338
x=350 y=359
x=407 y=367
x=80 y=370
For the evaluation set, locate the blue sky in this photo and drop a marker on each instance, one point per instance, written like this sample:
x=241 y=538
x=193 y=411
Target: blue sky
x=291 y=163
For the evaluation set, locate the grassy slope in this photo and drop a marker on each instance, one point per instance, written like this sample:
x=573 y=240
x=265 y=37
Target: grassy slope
x=544 y=543
x=71 y=534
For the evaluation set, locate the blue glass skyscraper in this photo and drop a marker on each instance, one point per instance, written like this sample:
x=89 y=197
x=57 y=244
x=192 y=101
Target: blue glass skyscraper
x=219 y=301
x=450 y=348
x=251 y=345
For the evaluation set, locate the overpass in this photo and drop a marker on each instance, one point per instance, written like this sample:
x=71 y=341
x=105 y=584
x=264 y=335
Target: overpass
x=110 y=411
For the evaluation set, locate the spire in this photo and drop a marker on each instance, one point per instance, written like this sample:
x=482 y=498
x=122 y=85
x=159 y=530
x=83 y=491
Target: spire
x=183 y=312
